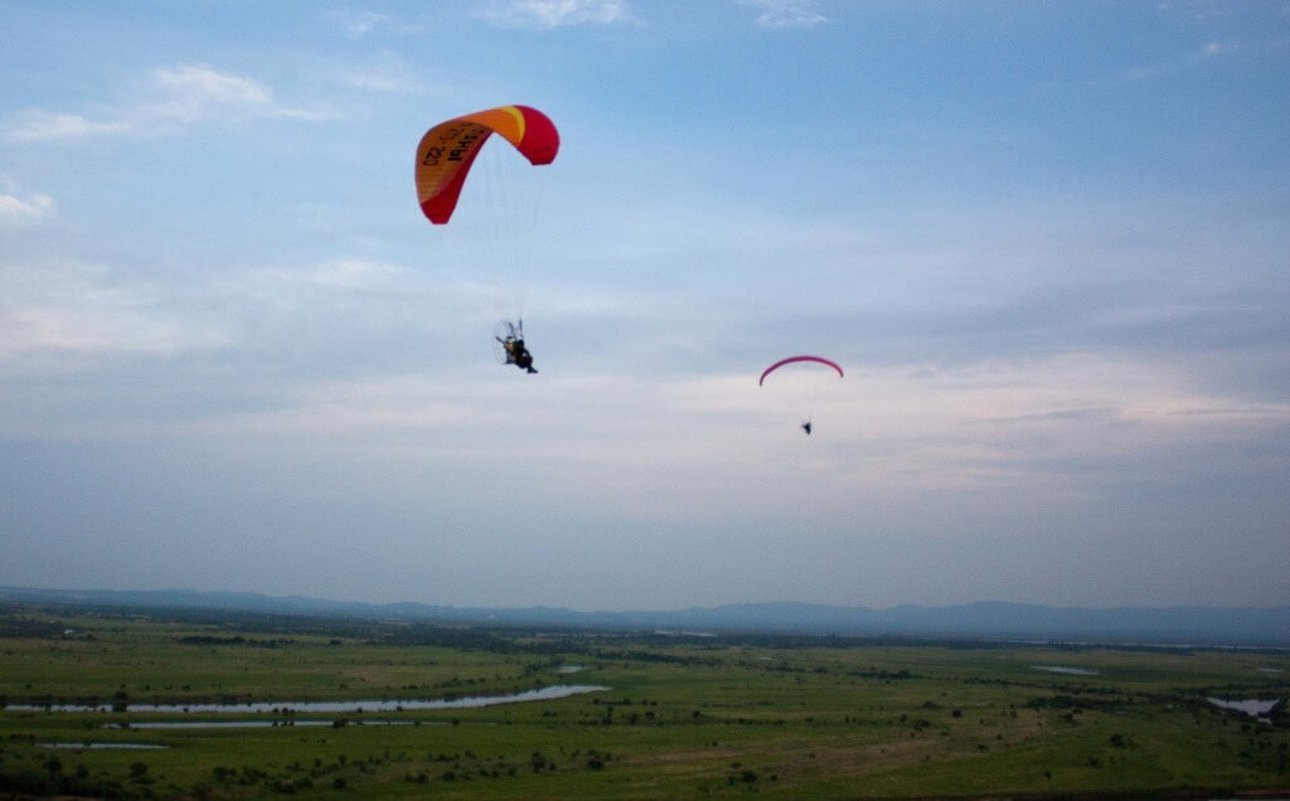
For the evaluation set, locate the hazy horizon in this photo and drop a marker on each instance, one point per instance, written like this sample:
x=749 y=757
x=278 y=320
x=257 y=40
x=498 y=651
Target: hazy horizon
x=270 y=596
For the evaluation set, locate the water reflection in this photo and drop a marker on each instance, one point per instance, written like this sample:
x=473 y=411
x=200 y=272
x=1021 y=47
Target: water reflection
x=1070 y=671
x=106 y=746
x=1253 y=707
x=260 y=724
x=289 y=707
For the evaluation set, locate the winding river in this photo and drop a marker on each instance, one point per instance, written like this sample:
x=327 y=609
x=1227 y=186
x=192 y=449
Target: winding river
x=325 y=707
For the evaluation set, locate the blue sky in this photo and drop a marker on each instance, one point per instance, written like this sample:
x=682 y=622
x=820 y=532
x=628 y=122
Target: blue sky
x=1049 y=243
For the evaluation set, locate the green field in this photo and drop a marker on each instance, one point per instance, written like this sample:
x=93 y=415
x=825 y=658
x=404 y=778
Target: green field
x=684 y=717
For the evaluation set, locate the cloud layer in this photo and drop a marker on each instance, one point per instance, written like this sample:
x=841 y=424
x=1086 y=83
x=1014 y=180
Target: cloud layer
x=1049 y=251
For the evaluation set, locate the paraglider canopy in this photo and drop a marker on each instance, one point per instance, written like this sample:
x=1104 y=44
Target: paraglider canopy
x=794 y=359
x=448 y=150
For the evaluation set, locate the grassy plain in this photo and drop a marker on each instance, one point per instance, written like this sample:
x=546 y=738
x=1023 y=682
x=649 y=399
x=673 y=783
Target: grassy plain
x=695 y=717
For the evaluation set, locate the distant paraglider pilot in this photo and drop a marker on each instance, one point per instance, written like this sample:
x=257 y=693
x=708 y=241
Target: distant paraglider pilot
x=804 y=359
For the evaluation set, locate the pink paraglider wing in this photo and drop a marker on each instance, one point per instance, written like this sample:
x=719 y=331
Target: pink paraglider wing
x=793 y=359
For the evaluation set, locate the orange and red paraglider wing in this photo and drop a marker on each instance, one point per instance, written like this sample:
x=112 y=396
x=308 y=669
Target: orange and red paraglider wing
x=449 y=149
x=792 y=359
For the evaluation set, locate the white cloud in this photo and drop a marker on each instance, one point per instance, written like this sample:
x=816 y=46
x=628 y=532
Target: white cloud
x=390 y=75
x=174 y=97
x=549 y=14
x=37 y=126
x=31 y=209
x=357 y=24
x=82 y=308
x=1169 y=67
x=197 y=93
x=1040 y=423
x=345 y=273
x=73 y=307
x=377 y=81
x=192 y=92
x=787 y=13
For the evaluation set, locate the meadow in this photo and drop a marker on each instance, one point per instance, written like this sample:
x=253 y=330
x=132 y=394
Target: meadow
x=680 y=716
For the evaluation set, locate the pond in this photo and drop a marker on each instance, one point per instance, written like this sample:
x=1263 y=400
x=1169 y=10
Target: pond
x=1253 y=707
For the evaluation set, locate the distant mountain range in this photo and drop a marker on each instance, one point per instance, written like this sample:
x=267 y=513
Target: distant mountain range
x=1179 y=625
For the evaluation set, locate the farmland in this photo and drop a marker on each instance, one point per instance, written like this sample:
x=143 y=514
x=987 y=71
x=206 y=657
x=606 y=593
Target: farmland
x=663 y=716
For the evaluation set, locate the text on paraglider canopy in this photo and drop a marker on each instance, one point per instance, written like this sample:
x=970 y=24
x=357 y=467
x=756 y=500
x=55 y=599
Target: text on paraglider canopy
x=450 y=150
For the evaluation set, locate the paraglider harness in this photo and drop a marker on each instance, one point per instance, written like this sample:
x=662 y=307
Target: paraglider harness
x=513 y=345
